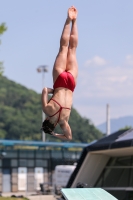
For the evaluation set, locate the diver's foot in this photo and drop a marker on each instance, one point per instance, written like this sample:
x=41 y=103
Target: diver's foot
x=72 y=13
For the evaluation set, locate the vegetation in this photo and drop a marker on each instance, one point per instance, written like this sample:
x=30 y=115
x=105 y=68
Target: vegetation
x=126 y=128
x=21 y=116
x=3 y=28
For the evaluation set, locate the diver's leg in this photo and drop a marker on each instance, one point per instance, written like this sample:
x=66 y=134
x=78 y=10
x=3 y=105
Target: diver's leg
x=72 y=65
x=61 y=59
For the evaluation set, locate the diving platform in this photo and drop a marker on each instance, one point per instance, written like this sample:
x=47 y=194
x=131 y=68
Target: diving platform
x=86 y=194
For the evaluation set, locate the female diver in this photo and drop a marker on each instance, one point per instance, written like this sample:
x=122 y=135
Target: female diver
x=65 y=73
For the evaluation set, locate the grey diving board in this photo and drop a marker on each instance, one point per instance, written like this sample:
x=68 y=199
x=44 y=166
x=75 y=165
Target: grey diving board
x=86 y=194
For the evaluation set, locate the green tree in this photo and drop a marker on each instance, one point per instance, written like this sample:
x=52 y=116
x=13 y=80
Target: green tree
x=3 y=28
x=126 y=128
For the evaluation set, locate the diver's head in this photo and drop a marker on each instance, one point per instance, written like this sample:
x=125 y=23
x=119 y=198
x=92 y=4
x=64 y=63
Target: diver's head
x=47 y=127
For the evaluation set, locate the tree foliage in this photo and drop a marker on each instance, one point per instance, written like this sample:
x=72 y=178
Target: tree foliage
x=126 y=128
x=21 y=116
x=3 y=28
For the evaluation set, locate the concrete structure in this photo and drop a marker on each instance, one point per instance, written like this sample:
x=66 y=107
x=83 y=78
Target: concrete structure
x=108 y=164
x=108 y=120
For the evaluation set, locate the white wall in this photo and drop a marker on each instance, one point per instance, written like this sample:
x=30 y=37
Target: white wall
x=91 y=169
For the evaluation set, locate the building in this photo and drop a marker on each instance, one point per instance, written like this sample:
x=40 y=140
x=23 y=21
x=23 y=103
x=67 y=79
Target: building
x=108 y=164
x=26 y=164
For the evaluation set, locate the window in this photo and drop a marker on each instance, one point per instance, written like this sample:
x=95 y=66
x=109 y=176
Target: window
x=22 y=162
x=14 y=163
x=30 y=163
x=118 y=173
x=39 y=154
x=30 y=154
x=23 y=154
x=116 y=177
x=11 y=154
x=57 y=154
x=41 y=163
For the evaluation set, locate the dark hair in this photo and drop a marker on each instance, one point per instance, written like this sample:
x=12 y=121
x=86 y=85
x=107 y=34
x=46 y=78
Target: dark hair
x=47 y=126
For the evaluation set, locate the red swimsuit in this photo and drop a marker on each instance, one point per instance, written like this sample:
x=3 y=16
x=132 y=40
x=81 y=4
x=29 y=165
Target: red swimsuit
x=59 y=111
x=66 y=80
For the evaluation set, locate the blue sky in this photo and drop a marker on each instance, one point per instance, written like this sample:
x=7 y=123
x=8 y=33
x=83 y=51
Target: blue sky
x=104 y=53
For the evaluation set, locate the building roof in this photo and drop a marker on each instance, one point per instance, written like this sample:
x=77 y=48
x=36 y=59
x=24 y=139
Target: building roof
x=42 y=144
x=119 y=139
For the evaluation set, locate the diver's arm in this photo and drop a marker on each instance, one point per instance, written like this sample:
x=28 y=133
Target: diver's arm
x=45 y=93
x=67 y=133
x=45 y=99
x=50 y=91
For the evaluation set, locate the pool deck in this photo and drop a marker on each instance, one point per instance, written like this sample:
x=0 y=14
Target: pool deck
x=30 y=196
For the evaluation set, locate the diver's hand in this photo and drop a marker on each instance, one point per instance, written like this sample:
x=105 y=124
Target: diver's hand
x=50 y=91
x=53 y=133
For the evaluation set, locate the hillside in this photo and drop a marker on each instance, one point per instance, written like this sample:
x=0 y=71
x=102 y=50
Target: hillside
x=20 y=116
x=117 y=124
